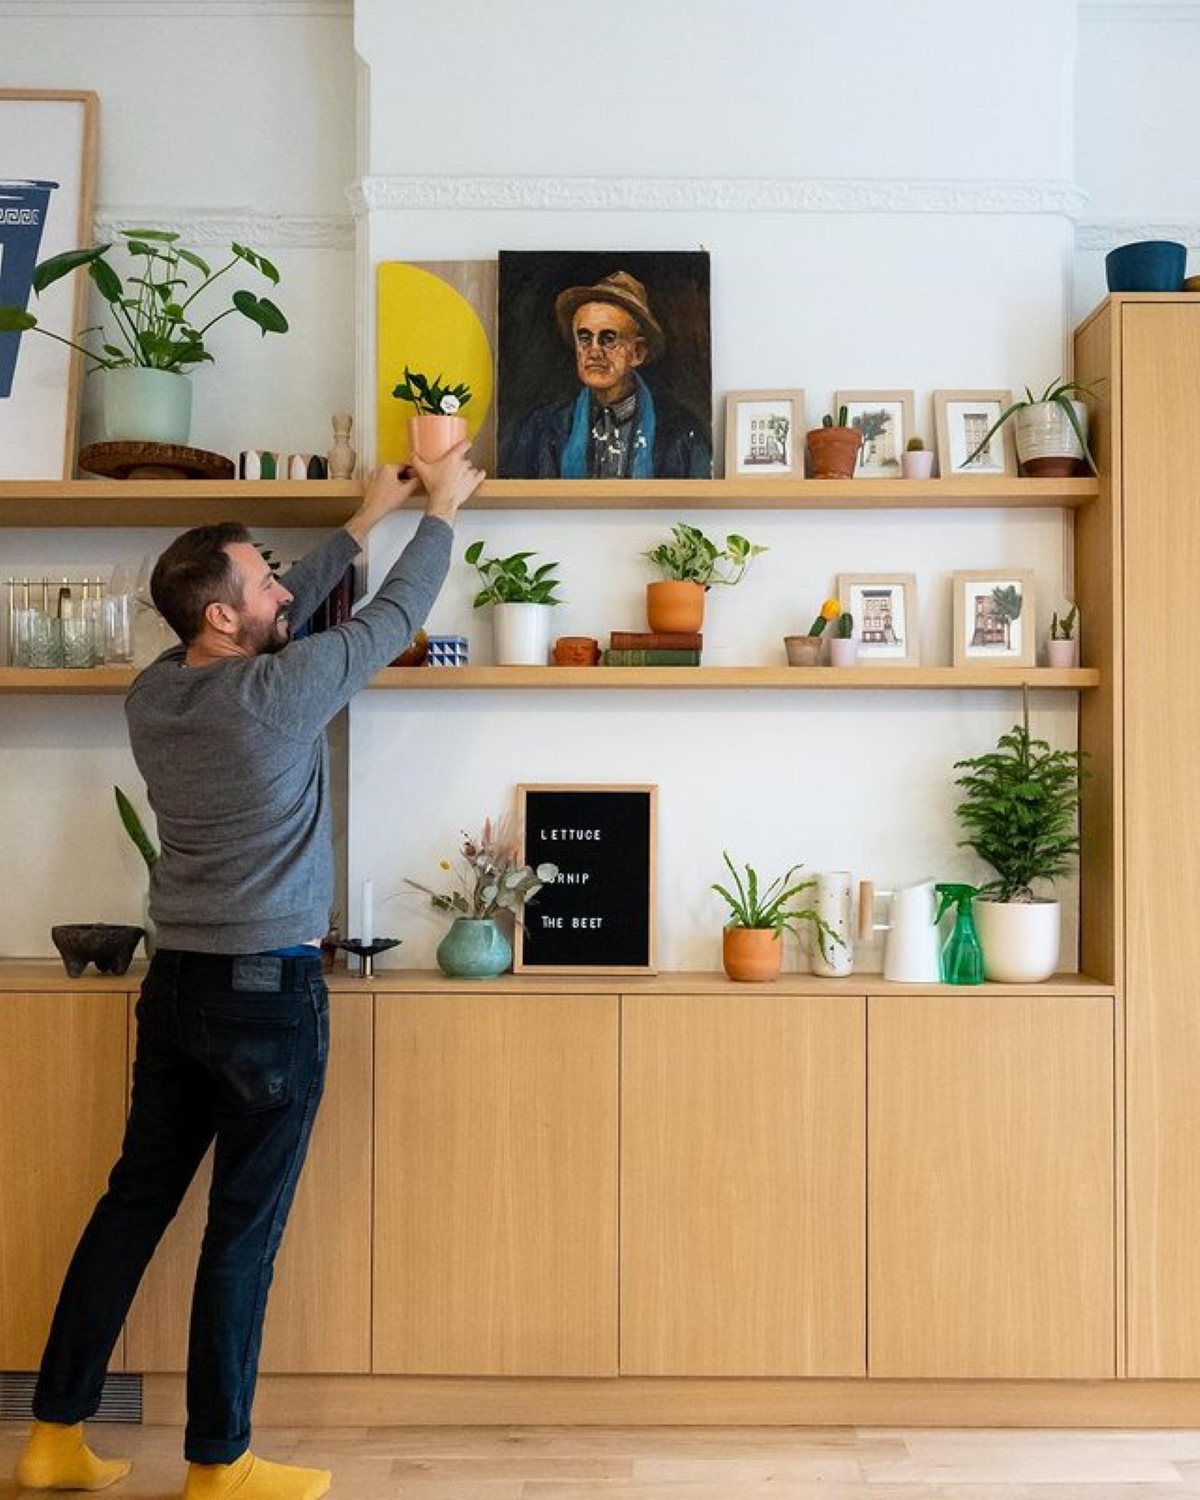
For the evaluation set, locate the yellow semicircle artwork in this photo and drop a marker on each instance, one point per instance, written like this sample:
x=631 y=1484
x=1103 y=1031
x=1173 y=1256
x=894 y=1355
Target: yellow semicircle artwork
x=426 y=324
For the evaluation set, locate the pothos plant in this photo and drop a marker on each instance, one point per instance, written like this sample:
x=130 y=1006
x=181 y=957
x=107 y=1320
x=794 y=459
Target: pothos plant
x=690 y=557
x=510 y=580
x=752 y=904
x=431 y=398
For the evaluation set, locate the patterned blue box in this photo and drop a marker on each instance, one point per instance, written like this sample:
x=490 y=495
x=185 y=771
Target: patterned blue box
x=447 y=651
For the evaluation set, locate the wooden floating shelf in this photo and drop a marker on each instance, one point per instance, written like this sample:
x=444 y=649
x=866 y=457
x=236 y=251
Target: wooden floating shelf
x=327 y=503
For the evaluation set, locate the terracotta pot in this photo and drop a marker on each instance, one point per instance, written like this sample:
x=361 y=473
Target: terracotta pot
x=671 y=605
x=576 y=651
x=833 y=452
x=429 y=437
x=803 y=650
x=751 y=955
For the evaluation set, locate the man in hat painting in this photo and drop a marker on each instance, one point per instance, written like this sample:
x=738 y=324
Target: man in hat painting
x=614 y=427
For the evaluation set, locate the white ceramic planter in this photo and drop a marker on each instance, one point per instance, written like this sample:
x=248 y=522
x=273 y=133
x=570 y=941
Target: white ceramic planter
x=916 y=464
x=521 y=634
x=1046 y=441
x=1062 y=653
x=146 y=406
x=843 y=651
x=1020 y=939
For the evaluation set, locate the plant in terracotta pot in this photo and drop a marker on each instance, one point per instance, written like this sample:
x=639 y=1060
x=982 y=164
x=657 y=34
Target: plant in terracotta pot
x=436 y=425
x=805 y=650
x=522 y=599
x=916 y=462
x=751 y=942
x=1062 y=649
x=1020 y=808
x=1051 y=430
x=157 y=335
x=690 y=564
x=833 y=447
x=492 y=879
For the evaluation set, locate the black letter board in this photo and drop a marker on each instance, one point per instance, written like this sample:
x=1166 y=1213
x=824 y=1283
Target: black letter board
x=597 y=917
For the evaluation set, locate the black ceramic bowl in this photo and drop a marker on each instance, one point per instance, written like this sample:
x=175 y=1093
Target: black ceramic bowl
x=110 y=947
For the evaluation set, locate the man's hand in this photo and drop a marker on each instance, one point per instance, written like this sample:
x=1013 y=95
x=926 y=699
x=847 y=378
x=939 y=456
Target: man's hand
x=448 y=481
x=387 y=489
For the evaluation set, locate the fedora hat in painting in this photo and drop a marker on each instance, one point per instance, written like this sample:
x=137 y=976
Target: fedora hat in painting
x=622 y=290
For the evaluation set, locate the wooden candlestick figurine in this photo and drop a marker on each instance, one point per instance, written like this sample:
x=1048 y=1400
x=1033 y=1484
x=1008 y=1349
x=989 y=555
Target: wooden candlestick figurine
x=342 y=456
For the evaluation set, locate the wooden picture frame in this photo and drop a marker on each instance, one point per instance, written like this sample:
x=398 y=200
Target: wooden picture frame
x=984 y=633
x=961 y=419
x=764 y=434
x=885 y=419
x=884 y=606
x=45 y=208
x=598 y=916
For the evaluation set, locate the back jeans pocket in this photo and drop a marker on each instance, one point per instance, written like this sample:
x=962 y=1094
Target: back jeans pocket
x=252 y=1060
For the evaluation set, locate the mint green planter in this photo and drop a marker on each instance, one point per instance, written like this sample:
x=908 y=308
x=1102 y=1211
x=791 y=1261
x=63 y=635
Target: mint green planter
x=474 y=948
x=146 y=406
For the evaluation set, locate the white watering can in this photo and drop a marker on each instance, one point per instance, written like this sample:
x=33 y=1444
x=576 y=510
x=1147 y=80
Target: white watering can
x=912 y=947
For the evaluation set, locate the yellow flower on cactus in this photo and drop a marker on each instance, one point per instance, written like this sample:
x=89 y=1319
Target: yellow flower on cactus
x=829 y=611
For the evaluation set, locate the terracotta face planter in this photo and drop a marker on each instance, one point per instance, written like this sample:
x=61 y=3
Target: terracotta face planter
x=430 y=437
x=751 y=955
x=671 y=605
x=833 y=452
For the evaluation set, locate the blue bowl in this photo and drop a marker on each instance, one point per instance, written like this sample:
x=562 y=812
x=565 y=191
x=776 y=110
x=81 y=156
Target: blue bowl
x=1146 y=266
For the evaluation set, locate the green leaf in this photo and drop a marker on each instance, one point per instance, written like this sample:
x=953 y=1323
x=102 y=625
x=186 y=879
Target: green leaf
x=135 y=828
x=261 y=311
x=108 y=283
x=15 y=319
x=58 y=266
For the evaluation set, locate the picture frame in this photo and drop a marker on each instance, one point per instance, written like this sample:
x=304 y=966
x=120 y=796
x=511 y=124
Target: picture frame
x=598 y=915
x=961 y=419
x=984 y=631
x=47 y=183
x=885 y=419
x=764 y=434
x=884 y=606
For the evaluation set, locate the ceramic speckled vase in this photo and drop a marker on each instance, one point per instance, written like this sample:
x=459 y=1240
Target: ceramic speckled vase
x=474 y=948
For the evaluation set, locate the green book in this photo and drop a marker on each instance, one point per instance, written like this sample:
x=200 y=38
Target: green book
x=663 y=657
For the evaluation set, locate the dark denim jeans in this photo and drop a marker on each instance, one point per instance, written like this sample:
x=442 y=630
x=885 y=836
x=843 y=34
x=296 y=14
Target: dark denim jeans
x=230 y=1050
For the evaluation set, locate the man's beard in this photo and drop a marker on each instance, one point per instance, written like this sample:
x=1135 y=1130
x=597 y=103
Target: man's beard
x=266 y=640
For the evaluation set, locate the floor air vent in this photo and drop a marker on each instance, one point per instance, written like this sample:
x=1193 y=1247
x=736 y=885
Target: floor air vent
x=121 y=1400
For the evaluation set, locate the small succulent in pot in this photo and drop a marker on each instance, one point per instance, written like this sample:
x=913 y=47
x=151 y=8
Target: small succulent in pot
x=845 y=626
x=1062 y=628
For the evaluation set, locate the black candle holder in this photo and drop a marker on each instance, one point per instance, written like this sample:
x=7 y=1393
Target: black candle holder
x=366 y=952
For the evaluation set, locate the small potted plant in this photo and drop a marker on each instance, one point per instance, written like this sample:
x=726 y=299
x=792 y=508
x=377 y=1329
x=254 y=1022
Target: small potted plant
x=493 y=879
x=751 y=946
x=843 y=648
x=157 y=336
x=833 y=447
x=1062 y=649
x=436 y=425
x=916 y=462
x=1020 y=809
x=521 y=598
x=690 y=564
x=805 y=650
x=1051 y=430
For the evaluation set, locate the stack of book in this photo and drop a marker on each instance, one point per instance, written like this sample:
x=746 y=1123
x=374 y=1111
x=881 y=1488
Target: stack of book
x=653 y=648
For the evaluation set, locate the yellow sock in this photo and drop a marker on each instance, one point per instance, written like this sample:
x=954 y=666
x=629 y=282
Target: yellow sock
x=250 y=1478
x=57 y=1458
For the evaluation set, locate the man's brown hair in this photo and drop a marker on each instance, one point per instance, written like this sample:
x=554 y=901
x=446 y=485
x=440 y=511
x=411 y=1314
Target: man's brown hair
x=194 y=571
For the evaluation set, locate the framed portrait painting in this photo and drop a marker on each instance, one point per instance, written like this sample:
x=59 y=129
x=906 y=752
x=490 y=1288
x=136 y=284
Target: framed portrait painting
x=885 y=419
x=964 y=420
x=764 y=434
x=884 y=607
x=994 y=619
x=47 y=171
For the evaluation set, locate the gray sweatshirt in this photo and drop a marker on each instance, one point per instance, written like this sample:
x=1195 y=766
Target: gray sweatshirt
x=235 y=760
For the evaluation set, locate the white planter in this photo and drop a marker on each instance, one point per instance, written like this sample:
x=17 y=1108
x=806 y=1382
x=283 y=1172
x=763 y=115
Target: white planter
x=1062 y=653
x=146 y=406
x=1046 y=441
x=521 y=634
x=1020 y=939
x=916 y=464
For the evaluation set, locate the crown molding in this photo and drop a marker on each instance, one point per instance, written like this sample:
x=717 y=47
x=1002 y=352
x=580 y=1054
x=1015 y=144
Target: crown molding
x=263 y=231
x=1107 y=234
x=717 y=195
x=167 y=9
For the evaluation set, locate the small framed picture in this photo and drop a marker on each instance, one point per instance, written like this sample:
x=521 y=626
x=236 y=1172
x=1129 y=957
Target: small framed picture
x=885 y=419
x=994 y=617
x=884 y=606
x=963 y=420
x=764 y=434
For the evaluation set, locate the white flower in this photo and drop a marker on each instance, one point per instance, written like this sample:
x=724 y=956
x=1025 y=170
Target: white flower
x=449 y=404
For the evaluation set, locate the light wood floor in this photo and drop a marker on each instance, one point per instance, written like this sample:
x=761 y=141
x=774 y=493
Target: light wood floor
x=734 y=1463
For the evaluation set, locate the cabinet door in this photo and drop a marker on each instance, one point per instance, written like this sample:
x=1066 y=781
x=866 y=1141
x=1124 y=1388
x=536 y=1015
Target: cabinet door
x=318 y=1316
x=742 y=1185
x=991 y=1203
x=495 y=1185
x=62 y=1083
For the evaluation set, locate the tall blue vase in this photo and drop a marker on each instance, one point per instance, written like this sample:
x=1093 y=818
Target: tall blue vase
x=474 y=948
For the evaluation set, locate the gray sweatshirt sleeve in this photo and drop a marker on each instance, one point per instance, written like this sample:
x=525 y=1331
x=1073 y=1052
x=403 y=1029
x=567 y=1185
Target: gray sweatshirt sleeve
x=302 y=687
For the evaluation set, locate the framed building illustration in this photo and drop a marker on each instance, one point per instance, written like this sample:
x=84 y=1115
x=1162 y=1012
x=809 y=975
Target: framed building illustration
x=884 y=607
x=764 y=434
x=994 y=617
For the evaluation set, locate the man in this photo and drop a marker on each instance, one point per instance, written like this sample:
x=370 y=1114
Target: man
x=228 y=730
x=615 y=427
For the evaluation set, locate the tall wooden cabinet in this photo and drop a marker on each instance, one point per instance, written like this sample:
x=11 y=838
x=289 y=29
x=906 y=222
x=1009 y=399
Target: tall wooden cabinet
x=1147 y=348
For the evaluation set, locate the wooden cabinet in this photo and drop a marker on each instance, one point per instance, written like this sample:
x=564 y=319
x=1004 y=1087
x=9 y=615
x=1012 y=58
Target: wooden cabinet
x=1148 y=350
x=991 y=1204
x=318 y=1316
x=62 y=1115
x=496 y=1185
x=742 y=1200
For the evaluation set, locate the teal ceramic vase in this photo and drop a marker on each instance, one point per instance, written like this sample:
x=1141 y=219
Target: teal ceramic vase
x=474 y=948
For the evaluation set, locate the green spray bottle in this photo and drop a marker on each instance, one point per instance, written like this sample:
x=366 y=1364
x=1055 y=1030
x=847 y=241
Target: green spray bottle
x=962 y=957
